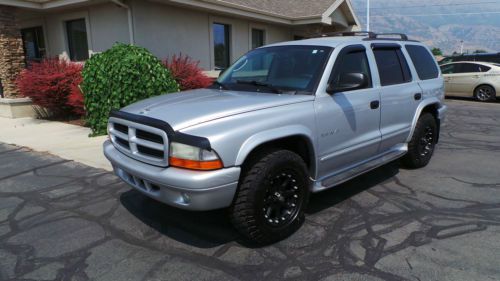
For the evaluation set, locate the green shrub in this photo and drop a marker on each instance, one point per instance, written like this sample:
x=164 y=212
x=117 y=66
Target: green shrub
x=118 y=77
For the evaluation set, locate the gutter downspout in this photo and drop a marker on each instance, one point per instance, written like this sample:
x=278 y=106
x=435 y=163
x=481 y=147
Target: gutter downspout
x=130 y=19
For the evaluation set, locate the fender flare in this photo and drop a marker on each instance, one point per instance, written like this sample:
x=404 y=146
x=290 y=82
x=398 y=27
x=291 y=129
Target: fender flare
x=418 y=112
x=273 y=134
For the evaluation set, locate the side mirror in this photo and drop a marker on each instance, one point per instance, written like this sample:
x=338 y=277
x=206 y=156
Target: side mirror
x=221 y=71
x=348 y=82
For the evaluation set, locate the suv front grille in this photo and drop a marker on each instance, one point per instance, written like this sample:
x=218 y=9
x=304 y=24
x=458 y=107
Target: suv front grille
x=141 y=142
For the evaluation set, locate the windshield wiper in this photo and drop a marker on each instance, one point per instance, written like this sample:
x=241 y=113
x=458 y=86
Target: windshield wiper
x=222 y=86
x=260 y=84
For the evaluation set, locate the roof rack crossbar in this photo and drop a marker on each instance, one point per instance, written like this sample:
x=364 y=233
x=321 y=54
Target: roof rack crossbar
x=346 y=33
x=403 y=36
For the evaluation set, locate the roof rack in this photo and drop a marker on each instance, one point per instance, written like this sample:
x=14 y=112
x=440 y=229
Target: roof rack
x=346 y=33
x=370 y=35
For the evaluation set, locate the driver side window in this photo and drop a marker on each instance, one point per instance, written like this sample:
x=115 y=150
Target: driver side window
x=352 y=62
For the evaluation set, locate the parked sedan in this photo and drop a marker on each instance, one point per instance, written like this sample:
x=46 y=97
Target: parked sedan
x=472 y=79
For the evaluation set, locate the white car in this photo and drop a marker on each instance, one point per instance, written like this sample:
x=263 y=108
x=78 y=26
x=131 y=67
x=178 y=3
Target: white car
x=480 y=80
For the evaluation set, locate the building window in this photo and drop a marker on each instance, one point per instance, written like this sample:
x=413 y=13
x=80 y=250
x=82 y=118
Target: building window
x=221 y=45
x=258 y=38
x=33 y=43
x=77 y=40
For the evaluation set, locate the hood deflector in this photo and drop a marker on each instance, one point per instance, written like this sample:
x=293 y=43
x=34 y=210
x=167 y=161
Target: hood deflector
x=175 y=136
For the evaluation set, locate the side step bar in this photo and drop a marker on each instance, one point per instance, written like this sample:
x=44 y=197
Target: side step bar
x=352 y=172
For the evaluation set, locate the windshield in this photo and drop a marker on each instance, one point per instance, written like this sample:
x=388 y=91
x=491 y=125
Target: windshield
x=279 y=69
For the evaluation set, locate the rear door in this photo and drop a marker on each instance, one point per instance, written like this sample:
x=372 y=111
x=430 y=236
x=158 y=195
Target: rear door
x=348 y=122
x=468 y=77
x=426 y=69
x=400 y=94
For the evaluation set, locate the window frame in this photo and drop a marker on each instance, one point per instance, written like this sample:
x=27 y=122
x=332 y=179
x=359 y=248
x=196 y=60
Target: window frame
x=262 y=28
x=230 y=24
x=65 y=22
x=406 y=71
x=39 y=50
x=338 y=61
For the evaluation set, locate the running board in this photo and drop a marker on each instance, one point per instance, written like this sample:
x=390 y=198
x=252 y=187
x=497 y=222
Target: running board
x=349 y=173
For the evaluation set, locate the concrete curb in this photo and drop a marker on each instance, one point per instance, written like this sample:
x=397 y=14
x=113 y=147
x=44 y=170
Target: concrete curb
x=67 y=141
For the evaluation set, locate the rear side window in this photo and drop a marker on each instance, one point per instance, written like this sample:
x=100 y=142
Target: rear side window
x=392 y=66
x=423 y=61
x=472 y=67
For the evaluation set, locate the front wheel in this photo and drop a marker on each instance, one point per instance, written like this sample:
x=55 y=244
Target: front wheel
x=273 y=193
x=423 y=142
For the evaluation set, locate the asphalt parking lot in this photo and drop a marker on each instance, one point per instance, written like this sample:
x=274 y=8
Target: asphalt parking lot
x=61 y=220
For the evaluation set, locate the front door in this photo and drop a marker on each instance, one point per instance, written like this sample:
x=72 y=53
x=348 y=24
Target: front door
x=400 y=96
x=449 y=71
x=348 y=122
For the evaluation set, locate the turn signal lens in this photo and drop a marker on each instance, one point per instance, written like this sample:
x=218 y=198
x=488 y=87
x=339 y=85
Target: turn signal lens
x=195 y=165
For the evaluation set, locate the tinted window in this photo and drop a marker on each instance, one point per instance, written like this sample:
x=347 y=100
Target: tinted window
x=287 y=68
x=392 y=66
x=354 y=62
x=257 y=38
x=449 y=68
x=423 y=62
x=77 y=40
x=472 y=67
x=221 y=45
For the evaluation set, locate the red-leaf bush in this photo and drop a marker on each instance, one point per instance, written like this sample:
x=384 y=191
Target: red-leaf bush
x=76 y=100
x=187 y=72
x=49 y=83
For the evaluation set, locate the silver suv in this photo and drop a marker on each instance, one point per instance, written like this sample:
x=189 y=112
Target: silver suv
x=283 y=121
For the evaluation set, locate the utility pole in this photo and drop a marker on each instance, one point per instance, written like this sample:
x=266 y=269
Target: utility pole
x=367 y=15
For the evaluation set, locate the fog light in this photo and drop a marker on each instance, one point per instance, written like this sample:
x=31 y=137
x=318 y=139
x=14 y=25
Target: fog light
x=185 y=198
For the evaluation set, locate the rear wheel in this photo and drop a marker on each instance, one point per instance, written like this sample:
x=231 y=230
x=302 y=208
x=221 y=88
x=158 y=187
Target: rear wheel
x=273 y=193
x=485 y=93
x=423 y=142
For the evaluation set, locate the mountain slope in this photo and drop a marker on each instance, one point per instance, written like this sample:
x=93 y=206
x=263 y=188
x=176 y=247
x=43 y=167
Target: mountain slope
x=477 y=23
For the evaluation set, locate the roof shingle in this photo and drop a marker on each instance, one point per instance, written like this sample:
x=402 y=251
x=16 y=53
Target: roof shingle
x=284 y=8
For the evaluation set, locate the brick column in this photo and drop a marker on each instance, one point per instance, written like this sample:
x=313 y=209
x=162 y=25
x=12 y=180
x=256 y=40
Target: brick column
x=11 y=51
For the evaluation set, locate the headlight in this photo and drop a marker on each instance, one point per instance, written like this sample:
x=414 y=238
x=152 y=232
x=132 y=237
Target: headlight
x=194 y=158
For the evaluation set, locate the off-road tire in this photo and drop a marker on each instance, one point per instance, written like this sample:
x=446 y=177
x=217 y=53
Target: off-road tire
x=420 y=153
x=248 y=213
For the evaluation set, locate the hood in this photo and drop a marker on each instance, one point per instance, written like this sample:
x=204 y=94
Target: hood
x=185 y=109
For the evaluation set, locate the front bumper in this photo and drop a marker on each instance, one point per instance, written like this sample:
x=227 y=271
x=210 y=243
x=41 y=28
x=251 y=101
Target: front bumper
x=185 y=189
x=442 y=112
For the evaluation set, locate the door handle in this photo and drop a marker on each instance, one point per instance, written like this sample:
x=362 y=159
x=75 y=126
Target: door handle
x=374 y=104
x=417 y=96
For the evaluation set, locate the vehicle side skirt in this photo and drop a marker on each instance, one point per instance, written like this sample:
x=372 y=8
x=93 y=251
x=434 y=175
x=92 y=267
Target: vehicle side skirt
x=359 y=168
